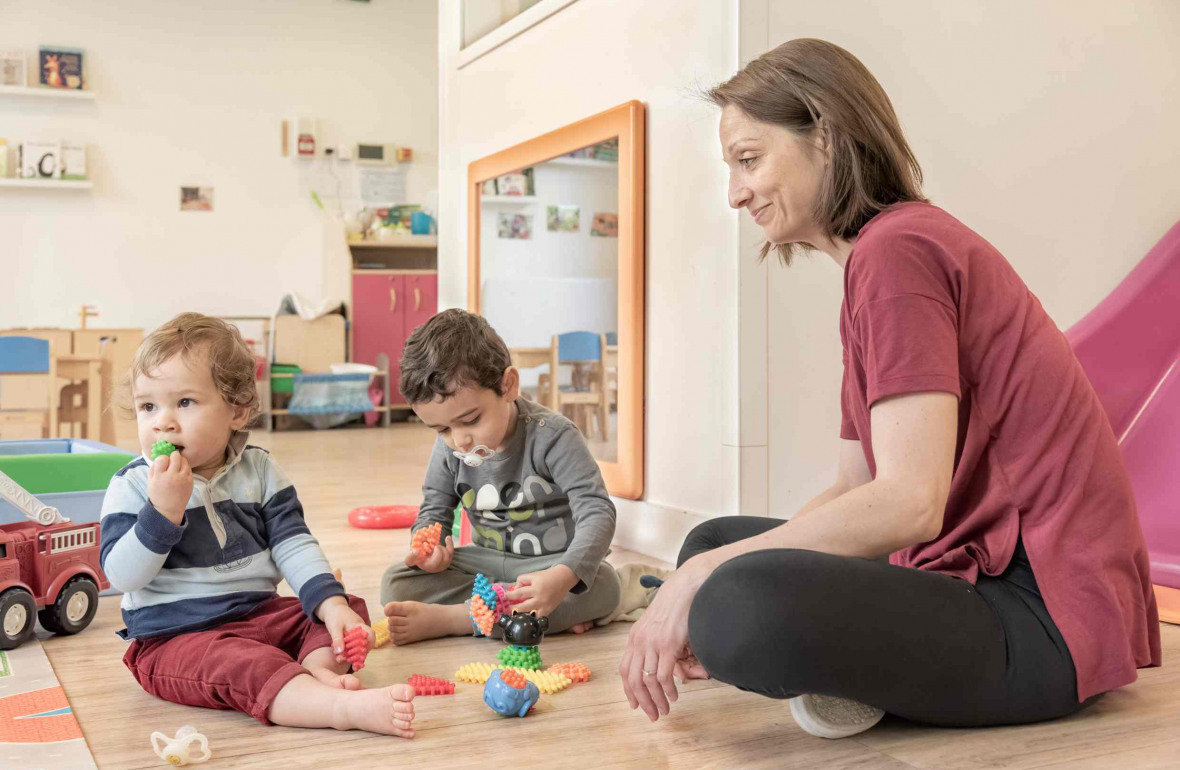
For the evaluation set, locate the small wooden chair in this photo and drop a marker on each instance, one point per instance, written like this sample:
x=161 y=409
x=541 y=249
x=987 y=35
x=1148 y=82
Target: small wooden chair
x=28 y=379
x=587 y=394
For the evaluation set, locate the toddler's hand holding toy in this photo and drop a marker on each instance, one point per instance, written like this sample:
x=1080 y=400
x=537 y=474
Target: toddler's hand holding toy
x=170 y=485
x=438 y=559
x=339 y=618
x=542 y=591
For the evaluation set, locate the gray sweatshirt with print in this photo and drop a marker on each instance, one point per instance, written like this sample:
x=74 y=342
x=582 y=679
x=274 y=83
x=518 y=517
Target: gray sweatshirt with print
x=541 y=494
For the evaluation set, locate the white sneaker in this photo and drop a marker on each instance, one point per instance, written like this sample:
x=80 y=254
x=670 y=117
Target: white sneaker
x=826 y=716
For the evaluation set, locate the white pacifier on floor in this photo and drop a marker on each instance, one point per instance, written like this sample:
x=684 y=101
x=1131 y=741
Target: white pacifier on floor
x=189 y=747
x=476 y=456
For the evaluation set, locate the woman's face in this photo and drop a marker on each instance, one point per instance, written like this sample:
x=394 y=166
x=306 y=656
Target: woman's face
x=774 y=174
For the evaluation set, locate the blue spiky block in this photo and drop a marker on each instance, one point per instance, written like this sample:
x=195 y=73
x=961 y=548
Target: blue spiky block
x=483 y=589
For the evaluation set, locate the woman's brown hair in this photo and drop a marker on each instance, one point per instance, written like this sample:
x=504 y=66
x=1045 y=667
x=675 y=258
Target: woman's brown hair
x=809 y=85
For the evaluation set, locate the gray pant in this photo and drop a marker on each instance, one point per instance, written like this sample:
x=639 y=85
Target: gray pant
x=453 y=585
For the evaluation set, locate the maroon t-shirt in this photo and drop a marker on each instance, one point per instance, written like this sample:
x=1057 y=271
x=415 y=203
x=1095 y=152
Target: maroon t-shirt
x=929 y=305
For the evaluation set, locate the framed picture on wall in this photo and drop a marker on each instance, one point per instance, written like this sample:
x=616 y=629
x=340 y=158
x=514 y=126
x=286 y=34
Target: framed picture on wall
x=605 y=225
x=12 y=69
x=516 y=226
x=562 y=219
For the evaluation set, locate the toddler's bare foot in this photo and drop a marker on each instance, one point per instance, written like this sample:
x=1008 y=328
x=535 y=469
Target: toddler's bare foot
x=339 y=681
x=581 y=628
x=411 y=622
x=388 y=711
x=322 y=665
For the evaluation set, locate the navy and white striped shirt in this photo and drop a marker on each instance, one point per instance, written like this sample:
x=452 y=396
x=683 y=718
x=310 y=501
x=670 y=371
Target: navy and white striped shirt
x=242 y=532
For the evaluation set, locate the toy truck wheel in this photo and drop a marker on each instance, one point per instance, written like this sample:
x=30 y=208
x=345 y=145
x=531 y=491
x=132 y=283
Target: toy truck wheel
x=74 y=608
x=17 y=610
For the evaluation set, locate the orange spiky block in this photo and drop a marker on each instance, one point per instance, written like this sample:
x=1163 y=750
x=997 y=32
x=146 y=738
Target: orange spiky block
x=575 y=672
x=426 y=539
x=513 y=678
x=476 y=673
x=482 y=615
x=381 y=631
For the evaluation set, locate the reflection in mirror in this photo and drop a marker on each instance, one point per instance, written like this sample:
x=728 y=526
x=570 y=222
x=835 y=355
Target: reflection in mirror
x=549 y=274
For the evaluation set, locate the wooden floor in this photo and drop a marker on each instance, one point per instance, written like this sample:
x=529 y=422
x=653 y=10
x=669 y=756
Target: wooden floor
x=589 y=725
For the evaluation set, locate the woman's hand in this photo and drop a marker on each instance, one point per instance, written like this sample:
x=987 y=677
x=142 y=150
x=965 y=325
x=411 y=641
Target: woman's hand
x=657 y=647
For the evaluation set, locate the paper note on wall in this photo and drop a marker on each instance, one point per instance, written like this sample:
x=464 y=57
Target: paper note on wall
x=382 y=186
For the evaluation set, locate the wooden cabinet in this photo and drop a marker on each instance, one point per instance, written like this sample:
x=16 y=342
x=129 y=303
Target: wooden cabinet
x=116 y=349
x=387 y=305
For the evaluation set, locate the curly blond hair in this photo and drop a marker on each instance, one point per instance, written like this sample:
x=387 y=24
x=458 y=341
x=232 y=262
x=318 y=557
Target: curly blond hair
x=220 y=344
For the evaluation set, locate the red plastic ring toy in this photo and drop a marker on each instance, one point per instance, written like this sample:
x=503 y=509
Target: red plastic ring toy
x=383 y=516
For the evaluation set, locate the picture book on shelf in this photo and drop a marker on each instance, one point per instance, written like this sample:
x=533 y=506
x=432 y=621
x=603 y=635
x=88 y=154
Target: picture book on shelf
x=60 y=68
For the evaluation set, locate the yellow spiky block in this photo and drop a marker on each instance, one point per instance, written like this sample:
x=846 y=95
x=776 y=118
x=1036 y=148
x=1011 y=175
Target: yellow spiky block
x=476 y=673
x=546 y=682
x=381 y=630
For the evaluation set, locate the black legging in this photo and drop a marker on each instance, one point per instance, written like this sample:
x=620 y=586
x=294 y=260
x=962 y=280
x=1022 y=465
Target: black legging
x=921 y=645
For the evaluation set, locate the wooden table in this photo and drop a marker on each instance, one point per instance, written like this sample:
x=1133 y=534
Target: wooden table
x=78 y=370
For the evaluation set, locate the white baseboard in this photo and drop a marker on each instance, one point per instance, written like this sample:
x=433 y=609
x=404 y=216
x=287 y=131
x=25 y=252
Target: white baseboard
x=652 y=529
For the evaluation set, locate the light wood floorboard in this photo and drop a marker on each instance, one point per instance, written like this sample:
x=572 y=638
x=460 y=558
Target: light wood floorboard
x=588 y=725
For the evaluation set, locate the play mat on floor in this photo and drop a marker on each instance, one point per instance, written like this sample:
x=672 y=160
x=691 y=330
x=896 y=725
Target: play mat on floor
x=37 y=725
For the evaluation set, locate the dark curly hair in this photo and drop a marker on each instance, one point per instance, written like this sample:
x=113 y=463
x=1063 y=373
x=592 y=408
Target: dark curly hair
x=452 y=350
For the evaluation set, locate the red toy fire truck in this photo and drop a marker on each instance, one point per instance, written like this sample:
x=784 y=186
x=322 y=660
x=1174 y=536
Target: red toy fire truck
x=48 y=567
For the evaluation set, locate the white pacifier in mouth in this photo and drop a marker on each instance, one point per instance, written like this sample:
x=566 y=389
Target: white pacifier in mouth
x=476 y=456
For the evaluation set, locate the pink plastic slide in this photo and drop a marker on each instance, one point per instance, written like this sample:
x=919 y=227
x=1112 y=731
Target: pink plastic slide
x=1129 y=346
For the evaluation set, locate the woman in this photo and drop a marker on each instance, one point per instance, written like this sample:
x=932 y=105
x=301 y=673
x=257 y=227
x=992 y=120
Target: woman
x=974 y=455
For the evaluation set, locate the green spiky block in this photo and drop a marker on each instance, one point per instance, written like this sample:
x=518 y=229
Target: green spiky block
x=528 y=658
x=162 y=448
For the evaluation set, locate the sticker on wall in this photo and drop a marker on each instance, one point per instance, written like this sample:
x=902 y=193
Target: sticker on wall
x=563 y=219
x=516 y=226
x=605 y=225
x=196 y=198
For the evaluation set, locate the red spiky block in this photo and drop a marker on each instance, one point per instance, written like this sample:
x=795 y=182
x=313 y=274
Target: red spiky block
x=356 y=647
x=426 y=539
x=430 y=685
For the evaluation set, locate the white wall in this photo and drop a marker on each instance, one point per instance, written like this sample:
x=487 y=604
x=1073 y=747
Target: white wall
x=194 y=94
x=588 y=57
x=1050 y=128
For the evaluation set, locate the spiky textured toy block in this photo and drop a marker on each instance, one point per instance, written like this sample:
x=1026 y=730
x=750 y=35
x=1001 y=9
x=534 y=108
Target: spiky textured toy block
x=482 y=616
x=476 y=673
x=483 y=589
x=513 y=678
x=577 y=672
x=430 y=685
x=546 y=682
x=426 y=539
x=381 y=631
x=161 y=449
x=356 y=647
x=520 y=657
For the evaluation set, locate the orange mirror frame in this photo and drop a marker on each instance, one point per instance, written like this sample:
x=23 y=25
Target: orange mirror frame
x=623 y=478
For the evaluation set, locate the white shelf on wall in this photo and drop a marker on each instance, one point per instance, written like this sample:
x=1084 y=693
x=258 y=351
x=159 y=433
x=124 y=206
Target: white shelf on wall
x=47 y=93
x=508 y=200
x=48 y=184
x=582 y=162
x=400 y=242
